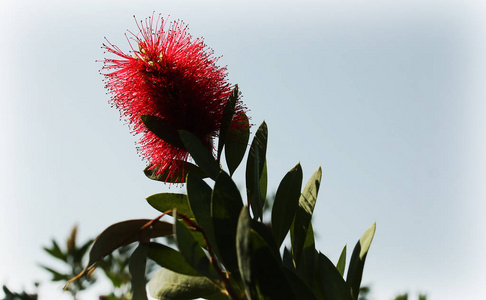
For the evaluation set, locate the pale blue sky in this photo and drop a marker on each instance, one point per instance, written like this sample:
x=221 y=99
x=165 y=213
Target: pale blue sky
x=387 y=98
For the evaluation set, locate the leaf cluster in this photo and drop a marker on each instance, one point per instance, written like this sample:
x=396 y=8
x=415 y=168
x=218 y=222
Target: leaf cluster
x=224 y=249
x=9 y=295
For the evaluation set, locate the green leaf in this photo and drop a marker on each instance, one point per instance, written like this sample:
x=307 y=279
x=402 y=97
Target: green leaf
x=226 y=206
x=237 y=142
x=341 y=264
x=163 y=130
x=199 y=195
x=263 y=185
x=168 y=201
x=171 y=259
x=169 y=285
x=255 y=200
x=136 y=267
x=254 y=169
x=228 y=113
x=200 y=153
x=121 y=234
x=264 y=231
x=356 y=264
x=299 y=287
x=191 y=251
x=179 y=176
x=303 y=216
x=306 y=266
x=286 y=203
x=244 y=253
x=287 y=259
x=330 y=282
x=271 y=282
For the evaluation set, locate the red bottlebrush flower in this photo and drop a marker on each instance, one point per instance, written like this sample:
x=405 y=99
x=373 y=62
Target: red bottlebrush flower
x=171 y=76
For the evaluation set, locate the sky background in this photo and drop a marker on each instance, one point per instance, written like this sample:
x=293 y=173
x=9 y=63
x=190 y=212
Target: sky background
x=388 y=98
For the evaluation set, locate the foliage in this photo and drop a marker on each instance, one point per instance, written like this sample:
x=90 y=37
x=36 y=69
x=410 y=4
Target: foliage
x=225 y=250
x=405 y=297
x=178 y=100
x=9 y=295
x=114 y=267
x=72 y=257
x=363 y=292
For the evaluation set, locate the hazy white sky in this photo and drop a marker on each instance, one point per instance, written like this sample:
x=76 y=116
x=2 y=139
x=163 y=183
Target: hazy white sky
x=388 y=98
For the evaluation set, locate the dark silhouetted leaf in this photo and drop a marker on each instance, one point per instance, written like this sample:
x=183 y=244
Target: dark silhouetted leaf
x=163 y=130
x=237 y=142
x=287 y=259
x=226 y=206
x=228 y=113
x=191 y=250
x=179 y=176
x=303 y=216
x=286 y=203
x=244 y=252
x=136 y=267
x=200 y=153
x=306 y=266
x=330 y=282
x=267 y=271
x=199 y=194
x=263 y=185
x=254 y=169
x=300 y=288
x=264 y=231
x=356 y=264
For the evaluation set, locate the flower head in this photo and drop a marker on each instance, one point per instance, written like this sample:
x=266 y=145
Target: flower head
x=172 y=76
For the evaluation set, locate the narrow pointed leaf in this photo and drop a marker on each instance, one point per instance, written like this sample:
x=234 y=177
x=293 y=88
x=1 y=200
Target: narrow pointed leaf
x=237 y=142
x=263 y=185
x=307 y=262
x=255 y=200
x=191 y=251
x=330 y=282
x=356 y=264
x=303 y=216
x=200 y=153
x=271 y=281
x=168 y=201
x=179 y=176
x=199 y=195
x=228 y=113
x=286 y=203
x=163 y=130
x=244 y=252
x=341 y=264
x=254 y=169
x=287 y=259
x=264 y=231
x=299 y=287
x=226 y=206
x=136 y=267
